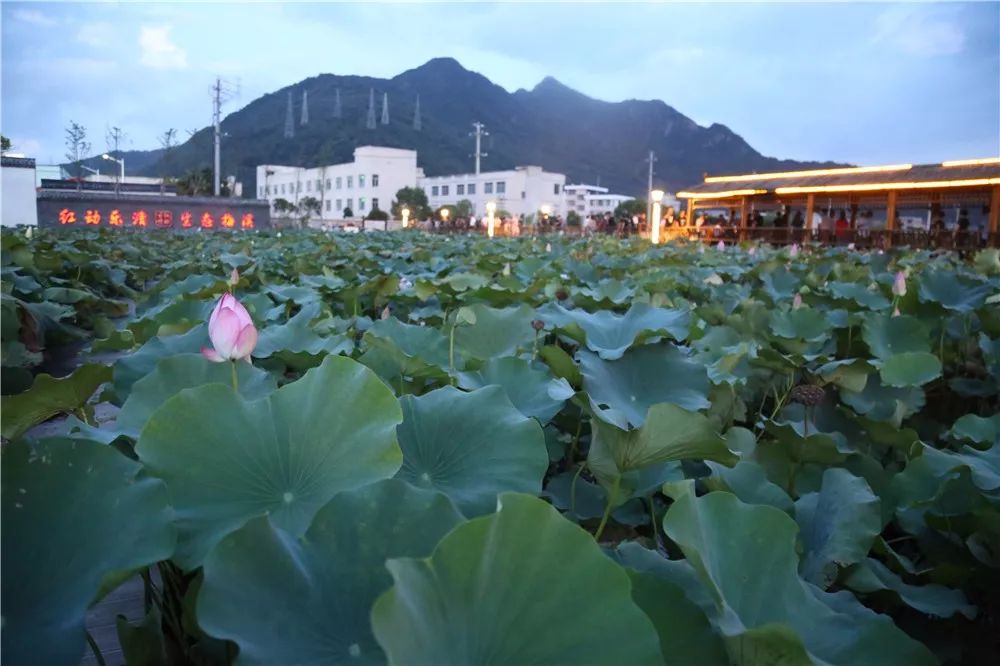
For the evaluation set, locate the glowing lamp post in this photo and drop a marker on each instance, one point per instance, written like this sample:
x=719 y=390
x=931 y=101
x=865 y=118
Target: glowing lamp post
x=491 y=209
x=654 y=234
x=121 y=163
x=444 y=214
x=405 y=212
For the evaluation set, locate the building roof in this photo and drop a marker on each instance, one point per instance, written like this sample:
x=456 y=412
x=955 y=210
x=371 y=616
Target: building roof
x=17 y=162
x=957 y=173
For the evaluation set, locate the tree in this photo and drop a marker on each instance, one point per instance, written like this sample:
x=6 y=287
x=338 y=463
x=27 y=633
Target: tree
x=413 y=198
x=377 y=214
x=195 y=182
x=573 y=218
x=168 y=141
x=77 y=146
x=4 y=144
x=309 y=206
x=630 y=208
x=463 y=208
x=348 y=213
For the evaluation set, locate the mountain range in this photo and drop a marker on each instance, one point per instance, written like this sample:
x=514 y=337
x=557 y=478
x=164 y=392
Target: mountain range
x=551 y=125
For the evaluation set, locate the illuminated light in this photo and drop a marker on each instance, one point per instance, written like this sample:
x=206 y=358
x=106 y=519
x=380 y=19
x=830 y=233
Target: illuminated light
x=841 y=171
x=163 y=218
x=719 y=195
x=444 y=214
x=246 y=222
x=405 y=212
x=654 y=234
x=115 y=219
x=867 y=187
x=67 y=216
x=491 y=209
x=139 y=218
x=227 y=220
x=979 y=162
x=92 y=217
x=186 y=221
x=206 y=220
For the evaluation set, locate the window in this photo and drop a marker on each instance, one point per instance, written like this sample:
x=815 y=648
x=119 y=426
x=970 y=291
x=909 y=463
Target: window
x=361 y=201
x=460 y=189
x=309 y=186
x=350 y=183
x=444 y=190
x=328 y=205
x=349 y=203
x=282 y=188
x=319 y=185
x=434 y=191
x=338 y=185
x=501 y=187
x=327 y=183
x=524 y=194
x=487 y=188
x=374 y=203
x=339 y=207
x=267 y=189
x=361 y=181
x=555 y=189
x=374 y=180
x=298 y=187
x=472 y=188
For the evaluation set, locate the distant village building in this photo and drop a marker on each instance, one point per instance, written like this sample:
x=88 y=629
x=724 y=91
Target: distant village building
x=17 y=191
x=593 y=200
x=523 y=190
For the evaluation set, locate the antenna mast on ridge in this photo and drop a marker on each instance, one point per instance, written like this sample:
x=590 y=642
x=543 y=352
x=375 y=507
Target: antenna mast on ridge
x=479 y=134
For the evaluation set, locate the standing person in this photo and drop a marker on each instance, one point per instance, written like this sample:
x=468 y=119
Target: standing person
x=841 y=226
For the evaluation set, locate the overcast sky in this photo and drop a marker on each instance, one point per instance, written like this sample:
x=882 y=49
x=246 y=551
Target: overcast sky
x=860 y=83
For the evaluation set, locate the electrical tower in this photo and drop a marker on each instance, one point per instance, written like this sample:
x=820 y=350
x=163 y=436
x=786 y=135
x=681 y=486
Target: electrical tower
x=479 y=134
x=222 y=92
x=385 y=108
x=305 y=108
x=370 y=120
x=417 y=124
x=336 y=104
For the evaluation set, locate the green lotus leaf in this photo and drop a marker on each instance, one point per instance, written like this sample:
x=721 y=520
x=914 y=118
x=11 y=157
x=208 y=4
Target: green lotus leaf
x=180 y=372
x=561 y=364
x=802 y=324
x=306 y=600
x=226 y=460
x=610 y=291
x=496 y=331
x=745 y=555
x=78 y=517
x=870 y=576
x=926 y=475
x=838 y=525
x=506 y=589
x=471 y=446
x=298 y=335
x=977 y=429
x=749 y=482
x=686 y=636
x=535 y=393
x=884 y=403
x=290 y=293
x=910 y=369
x=170 y=318
x=850 y=374
x=130 y=369
x=50 y=396
x=142 y=645
x=610 y=335
x=866 y=298
x=643 y=377
x=887 y=336
x=670 y=433
x=397 y=349
x=951 y=292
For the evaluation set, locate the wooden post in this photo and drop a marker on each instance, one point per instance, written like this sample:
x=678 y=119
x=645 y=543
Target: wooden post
x=743 y=219
x=890 y=219
x=810 y=209
x=995 y=214
x=690 y=219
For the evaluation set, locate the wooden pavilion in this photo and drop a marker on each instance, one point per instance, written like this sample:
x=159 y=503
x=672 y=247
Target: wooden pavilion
x=960 y=184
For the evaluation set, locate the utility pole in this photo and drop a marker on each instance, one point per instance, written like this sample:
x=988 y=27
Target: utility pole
x=221 y=92
x=479 y=134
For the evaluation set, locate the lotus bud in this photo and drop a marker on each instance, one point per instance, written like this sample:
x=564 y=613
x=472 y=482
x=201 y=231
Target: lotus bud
x=537 y=324
x=797 y=302
x=234 y=278
x=548 y=247
x=386 y=313
x=506 y=269
x=721 y=246
x=794 y=250
x=562 y=294
x=895 y=312
x=850 y=246
x=899 y=284
x=752 y=251
x=231 y=331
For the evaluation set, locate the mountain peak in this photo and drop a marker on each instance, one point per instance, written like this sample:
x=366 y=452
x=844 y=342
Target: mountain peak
x=443 y=65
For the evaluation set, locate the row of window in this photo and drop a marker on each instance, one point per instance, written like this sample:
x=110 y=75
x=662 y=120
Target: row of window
x=336 y=206
x=488 y=188
x=296 y=187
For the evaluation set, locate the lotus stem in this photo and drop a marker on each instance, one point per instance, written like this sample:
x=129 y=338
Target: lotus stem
x=236 y=381
x=612 y=497
x=96 y=650
x=572 y=489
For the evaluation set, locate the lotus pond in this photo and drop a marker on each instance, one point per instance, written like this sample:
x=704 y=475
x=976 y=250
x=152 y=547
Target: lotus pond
x=452 y=450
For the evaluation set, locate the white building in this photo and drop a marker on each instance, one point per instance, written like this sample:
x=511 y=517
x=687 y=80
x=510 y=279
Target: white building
x=588 y=200
x=524 y=190
x=370 y=181
x=17 y=191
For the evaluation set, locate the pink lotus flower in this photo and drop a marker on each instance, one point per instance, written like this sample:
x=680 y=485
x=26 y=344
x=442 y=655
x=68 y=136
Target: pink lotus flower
x=752 y=251
x=895 y=312
x=899 y=284
x=721 y=246
x=232 y=332
x=797 y=302
x=794 y=250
